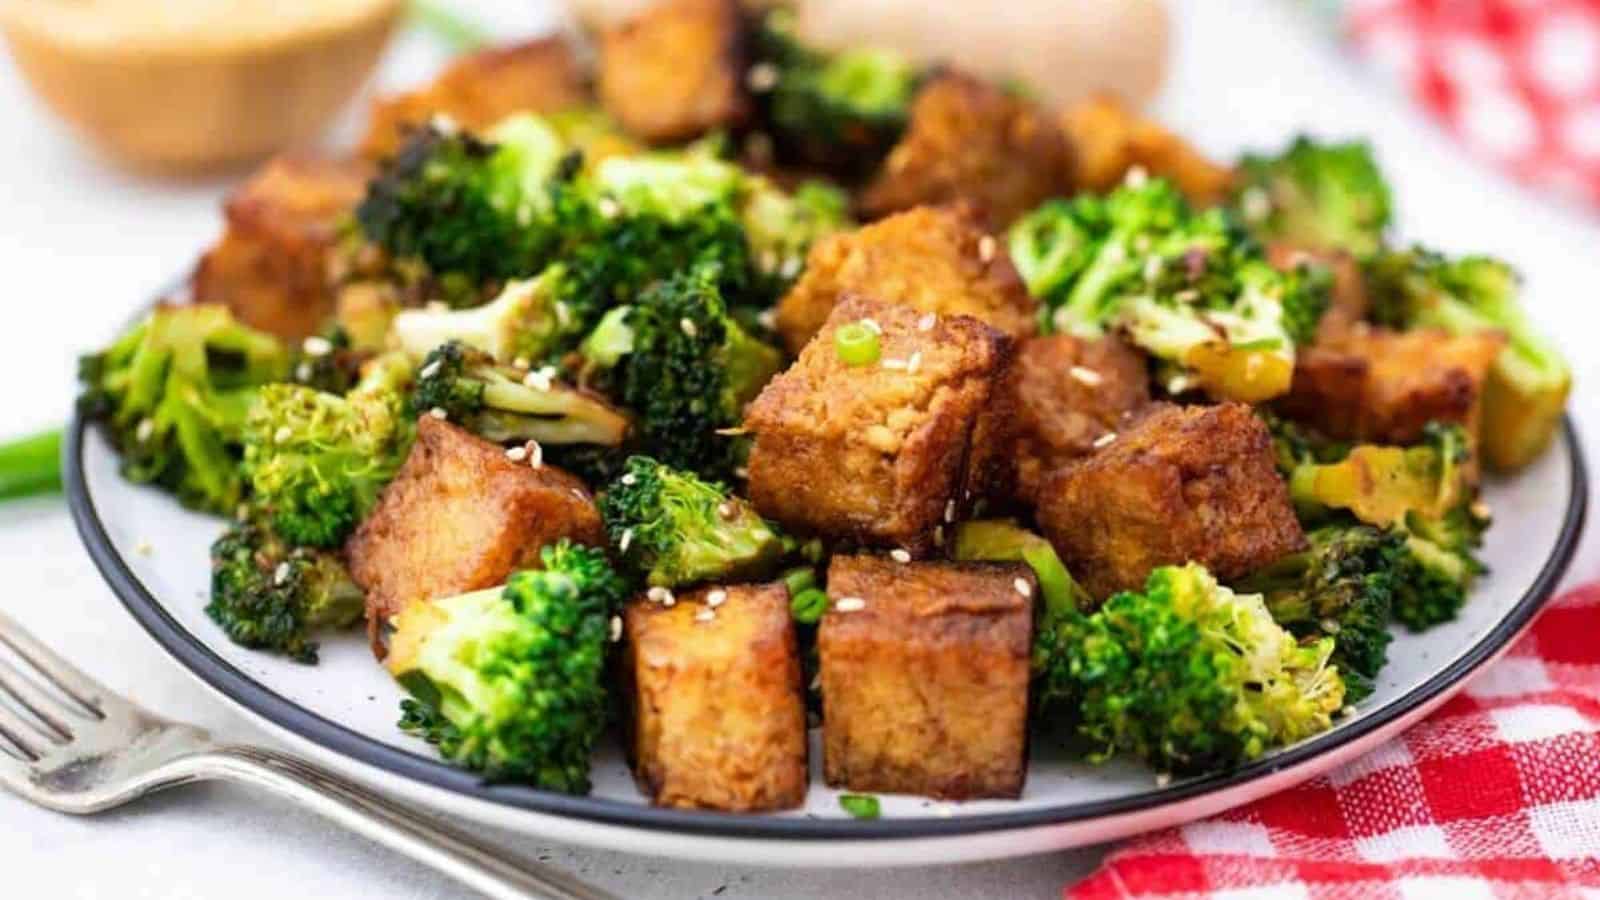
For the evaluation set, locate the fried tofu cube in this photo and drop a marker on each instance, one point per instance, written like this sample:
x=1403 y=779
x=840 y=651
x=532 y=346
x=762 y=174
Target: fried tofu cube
x=874 y=453
x=1371 y=384
x=271 y=267
x=924 y=670
x=1180 y=484
x=1109 y=139
x=718 y=718
x=938 y=259
x=970 y=140
x=460 y=516
x=1059 y=395
x=479 y=89
x=676 y=71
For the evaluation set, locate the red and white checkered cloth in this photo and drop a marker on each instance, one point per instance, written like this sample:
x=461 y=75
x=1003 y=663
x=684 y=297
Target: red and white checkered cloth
x=1497 y=794
x=1517 y=80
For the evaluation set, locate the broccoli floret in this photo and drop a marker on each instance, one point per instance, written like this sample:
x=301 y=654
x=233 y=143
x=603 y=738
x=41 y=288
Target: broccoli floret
x=268 y=595
x=1318 y=195
x=1293 y=443
x=686 y=369
x=316 y=462
x=1341 y=586
x=781 y=227
x=1191 y=288
x=327 y=362
x=1438 y=567
x=477 y=210
x=510 y=681
x=1529 y=382
x=672 y=528
x=1190 y=676
x=527 y=321
x=1003 y=540
x=504 y=403
x=843 y=109
x=173 y=393
x=1384 y=485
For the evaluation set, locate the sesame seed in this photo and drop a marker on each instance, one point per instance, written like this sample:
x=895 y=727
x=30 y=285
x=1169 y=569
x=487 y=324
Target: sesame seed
x=949 y=510
x=608 y=207
x=1256 y=205
x=944 y=812
x=791 y=266
x=627 y=478
x=563 y=314
x=535 y=454
x=430 y=370
x=1152 y=268
x=1136 y=176
x=725 y=509
x=626 y=542
x=1105 y=440
x=1331 y=626
x=736 y=431
x=762 y=77
x=1023 y=587
x=1480 y=510
x=898 y=365
x=280 y=575
x=1179 y=383
x=444 y=124
x=849 y=604
x=143 y=548
x=872 y=326
x=1347 y=710
x=705 y=615
x=688 y=327
x=578 y=492
x=741 y=472
x=660 y=595
x=986 y=248
x=927 y=322
x=522 y=362
x=915 y=362
x=146 y=429
x=768 y=261
x=517 y=454
x=316 y=345
x=616 y=629
x=1085 y=375
x=283 y=435
x=304 y=371
x=899 y=555
x=1163 y=779
x=539 y=380
x=438 y=413
x=716 y=598
x=768 y=319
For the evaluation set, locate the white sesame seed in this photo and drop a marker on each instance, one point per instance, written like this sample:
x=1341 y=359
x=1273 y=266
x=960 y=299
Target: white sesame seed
x=716 y=598
x=1152 y=268
x=304 y=371
x=1163 y=779
x=626 y=542
x=143 y=548
x=660 y=595
x=281 y=573
x=317 y=345
x=1347 y=710
x=535 y=454
x=791 y=266
x=608 y=207
x=899 y=555
x=927 y=322
x=986 y=248
x=517 y=454
x=444 y=124
x=915 y=362
x=768 y=319
x=1105 y=440
x=949 y=510
x=705 y=615
x=762 y=77
x=539 y=380
x=1085 y=375
x=944 y=812
x=872 y=326
x=1179 y=383
x=898 y=365
x=563 y=314
x=146 y=429
x=849 y=604
x=741 y=472
x=735 y=431
x=725 y=509
x=1136 y=176
x=616 y=629
x=688 y=327
x=283 y=435
x=578 y=492
x=627 y=478
x=430 y=370
x=522 y=362
x=1023 y=587
x=1331 y=626
x=1480 y=510
x=438 y=413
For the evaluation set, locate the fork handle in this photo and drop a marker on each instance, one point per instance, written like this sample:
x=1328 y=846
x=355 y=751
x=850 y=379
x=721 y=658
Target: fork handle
x=445 y=849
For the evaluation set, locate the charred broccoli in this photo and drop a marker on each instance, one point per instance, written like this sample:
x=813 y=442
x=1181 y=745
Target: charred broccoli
x=672 y=528
x=173 y=393
x=1315 y=195
x=267 y=595
x=1528 y=385
x=503 y=403
x=510 y=681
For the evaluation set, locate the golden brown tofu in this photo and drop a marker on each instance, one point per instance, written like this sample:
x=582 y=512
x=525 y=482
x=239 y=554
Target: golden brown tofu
x=937 y=259
x=479 y=89
x=969 y=140
x=676 y=70
x=1109 y=139
x=874 y=453
x=1180 y=484
x=924 y=672
x=460 y=517
x=271 y=267
x=1057 y=397
x=1348 y=298
x=718 y=712
x=1371 y=384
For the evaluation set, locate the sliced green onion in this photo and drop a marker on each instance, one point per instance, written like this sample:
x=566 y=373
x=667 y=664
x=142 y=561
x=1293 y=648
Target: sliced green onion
x=857 y=344
x=808 y=606
x=30 y=465
x=799 y=578
x=861 y=806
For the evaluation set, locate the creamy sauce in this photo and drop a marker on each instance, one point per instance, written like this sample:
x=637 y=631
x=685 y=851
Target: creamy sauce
x=198 y=26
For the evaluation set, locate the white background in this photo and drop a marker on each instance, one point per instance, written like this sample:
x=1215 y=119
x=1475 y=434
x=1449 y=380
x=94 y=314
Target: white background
x=82 y=245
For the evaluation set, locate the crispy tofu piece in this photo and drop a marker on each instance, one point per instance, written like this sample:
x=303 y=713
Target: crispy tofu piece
x=718 y=712
x=1371 y=384
x=676 y=70
x=479 y=89
x=874 y=453
x=1058 y=396
x=925 y=685
x=1109 y=139
x=271 y=267
x=1348 y=302
x=1180 y=484
x=938 y=259
x=460 y=517
x=969 y=140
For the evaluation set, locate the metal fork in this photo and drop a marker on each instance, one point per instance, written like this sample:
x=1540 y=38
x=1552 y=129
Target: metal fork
x=78 y=748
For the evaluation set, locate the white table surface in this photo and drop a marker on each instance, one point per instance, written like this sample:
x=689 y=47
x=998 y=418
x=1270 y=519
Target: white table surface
x=81 y=245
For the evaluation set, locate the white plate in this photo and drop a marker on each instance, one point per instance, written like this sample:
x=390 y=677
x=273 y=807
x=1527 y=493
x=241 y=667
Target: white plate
x=342 y=712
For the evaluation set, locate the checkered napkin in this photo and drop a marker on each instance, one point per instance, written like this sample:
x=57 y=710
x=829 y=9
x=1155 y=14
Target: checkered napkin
x=1497 y=794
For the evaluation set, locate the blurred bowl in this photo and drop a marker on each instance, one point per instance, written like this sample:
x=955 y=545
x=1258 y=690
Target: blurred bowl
x=196 y=84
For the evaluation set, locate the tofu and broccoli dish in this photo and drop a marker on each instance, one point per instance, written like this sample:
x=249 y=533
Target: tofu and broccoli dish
x=741 y=402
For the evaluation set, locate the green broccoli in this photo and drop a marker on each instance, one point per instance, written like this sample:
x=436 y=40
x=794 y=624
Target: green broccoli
x=173 y=393
x=504 y=404
x=1003 y=540
x=1316 y=195
x=1189 y=676
x=510 y=681
x=327 y=362
x=672 y=528
x=1191 y=288
x=1341 y=586
x=267 y=595
x=843 y=109
x=685 y=368
x=1439 y=566
x=1528 y=384
x=782 y=226
x=527 y=321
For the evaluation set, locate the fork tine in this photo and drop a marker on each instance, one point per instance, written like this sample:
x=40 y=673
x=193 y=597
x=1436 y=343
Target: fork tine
x=20 y=733
x=64 y=675
x=35 y=700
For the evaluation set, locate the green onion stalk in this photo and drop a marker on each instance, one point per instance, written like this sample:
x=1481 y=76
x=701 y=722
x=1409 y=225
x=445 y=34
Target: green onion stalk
x=30 y=465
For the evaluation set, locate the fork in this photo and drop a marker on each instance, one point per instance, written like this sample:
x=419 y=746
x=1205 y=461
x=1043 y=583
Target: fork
x=78 y=748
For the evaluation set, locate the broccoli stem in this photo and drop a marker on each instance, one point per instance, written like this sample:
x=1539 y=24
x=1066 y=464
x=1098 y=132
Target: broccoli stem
x=461 y=34
x=31 y=465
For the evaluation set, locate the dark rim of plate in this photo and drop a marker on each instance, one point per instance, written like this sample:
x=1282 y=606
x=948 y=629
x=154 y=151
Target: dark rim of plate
x=260 y=699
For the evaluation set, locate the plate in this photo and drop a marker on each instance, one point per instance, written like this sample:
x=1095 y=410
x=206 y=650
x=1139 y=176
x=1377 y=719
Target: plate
x=342 y=712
